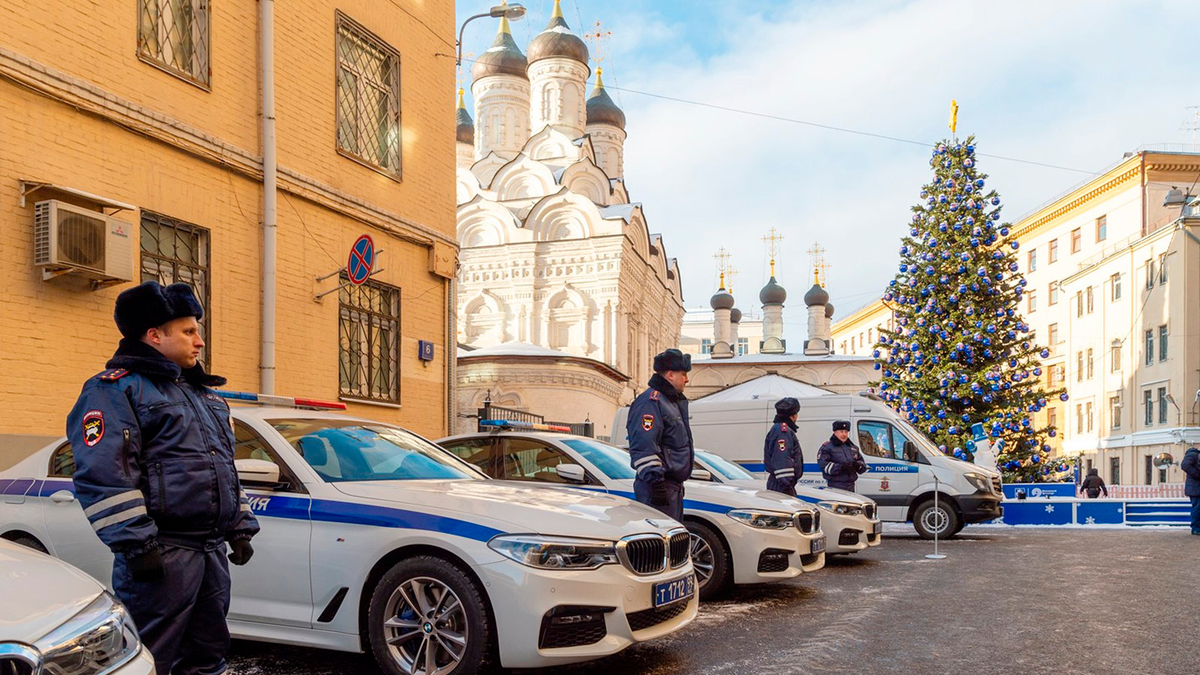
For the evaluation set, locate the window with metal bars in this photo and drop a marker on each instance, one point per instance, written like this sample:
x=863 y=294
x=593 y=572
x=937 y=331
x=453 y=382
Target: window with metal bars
x=369 y=341
x=174 y=35
x=175 y=251
x=368 y=97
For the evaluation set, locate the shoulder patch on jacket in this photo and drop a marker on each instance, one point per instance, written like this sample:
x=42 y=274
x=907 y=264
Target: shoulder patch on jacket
x=654 y=395
x=93 y=427
x=647 y=422
x=782 y=445
x=113 y=375
x=783 y=426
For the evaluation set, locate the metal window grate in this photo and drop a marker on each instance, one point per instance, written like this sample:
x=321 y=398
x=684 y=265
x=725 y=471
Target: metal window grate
x=174 y=35
x=175 y=251
x=369 y=341
x=368 y=97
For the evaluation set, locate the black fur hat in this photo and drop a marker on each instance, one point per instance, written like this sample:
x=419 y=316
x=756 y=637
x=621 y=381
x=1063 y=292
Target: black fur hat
x=841 y=425
x=787 y=406
x=672 y=359
x=151 y=304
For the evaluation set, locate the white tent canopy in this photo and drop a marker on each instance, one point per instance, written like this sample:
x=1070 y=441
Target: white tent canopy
x=765 y=388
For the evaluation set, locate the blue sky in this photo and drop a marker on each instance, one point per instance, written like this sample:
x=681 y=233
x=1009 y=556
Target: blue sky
x=1072 y=83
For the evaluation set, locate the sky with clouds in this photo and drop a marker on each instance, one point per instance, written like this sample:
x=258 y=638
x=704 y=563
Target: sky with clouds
x=1069 y=83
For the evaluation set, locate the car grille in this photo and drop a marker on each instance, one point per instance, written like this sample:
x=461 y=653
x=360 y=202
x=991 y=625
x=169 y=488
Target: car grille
x=869 y=510
x=18 y=659
x=871 y=538
x=816 y=521
x=572 y=626
x=681 y=547
x=806 y=522
x=996 y=487
x=773 y=560
x=809 y=559
x=848 y=537
x=652 y=617
x=643 y=553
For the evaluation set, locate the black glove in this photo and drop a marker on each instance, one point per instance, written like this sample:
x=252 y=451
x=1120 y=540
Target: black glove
x=860 y=466
x=242 y=551
x=658 y=493
x=147 y=566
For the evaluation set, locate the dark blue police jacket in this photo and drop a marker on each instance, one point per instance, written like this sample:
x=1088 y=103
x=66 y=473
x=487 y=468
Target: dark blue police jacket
x=154 y=456
x=783 y=458
x=1191 y=468
x=840 y=463
x=660 y=439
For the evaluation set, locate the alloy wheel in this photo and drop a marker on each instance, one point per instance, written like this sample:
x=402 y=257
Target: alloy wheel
x=427 y=632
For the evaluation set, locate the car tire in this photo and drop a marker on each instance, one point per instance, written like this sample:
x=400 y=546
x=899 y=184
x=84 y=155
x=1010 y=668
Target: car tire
x=426 y=611
x=944 y=520
x=27 y=541
x=711 y=560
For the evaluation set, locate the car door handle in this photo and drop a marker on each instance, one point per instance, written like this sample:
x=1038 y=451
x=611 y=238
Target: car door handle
x=62 y=497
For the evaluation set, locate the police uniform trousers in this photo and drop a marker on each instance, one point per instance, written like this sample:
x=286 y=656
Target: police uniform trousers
x=644 y=493
x=181 y=617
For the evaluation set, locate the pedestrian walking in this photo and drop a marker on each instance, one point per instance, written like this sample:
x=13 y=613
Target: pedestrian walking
x=660 y=438
x=154 y=473
x=1093 y=484
x=782 y=455
x=1191 y=487
x=839 y=458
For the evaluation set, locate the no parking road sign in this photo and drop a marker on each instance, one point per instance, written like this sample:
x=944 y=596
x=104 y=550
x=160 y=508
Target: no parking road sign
x=361 y=261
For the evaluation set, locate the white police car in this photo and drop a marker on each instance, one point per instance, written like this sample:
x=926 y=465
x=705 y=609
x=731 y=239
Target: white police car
x=741 y=536
x=850 y=521
x=374 y=539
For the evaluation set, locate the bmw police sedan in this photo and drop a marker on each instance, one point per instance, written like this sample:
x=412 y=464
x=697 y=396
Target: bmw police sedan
x=374 y=539
x=739 y=536
x=851 y=521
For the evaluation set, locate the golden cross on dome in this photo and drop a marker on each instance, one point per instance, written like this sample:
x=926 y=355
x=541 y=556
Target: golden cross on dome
x=598 y=39
x=730 y=273
x=773 y=238
x=818 y=262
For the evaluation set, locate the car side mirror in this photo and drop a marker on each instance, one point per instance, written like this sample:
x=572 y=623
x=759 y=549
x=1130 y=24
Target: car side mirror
x=702 y=475
x=257 y=472
x=572 y=473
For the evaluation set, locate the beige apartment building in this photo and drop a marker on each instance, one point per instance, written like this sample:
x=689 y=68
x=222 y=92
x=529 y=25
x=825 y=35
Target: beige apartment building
x=1114 y=293
x=134 y=149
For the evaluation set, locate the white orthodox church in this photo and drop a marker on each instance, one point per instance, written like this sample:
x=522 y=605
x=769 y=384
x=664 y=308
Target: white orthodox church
x=557 y=266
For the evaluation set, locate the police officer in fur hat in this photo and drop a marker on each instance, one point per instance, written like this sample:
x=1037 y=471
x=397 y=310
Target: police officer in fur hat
x=660 y=438
x=155 y=476
x=839 y=458
x=782 y=456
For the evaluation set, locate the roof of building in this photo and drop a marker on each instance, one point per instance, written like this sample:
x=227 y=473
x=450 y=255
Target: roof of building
x=735 y=315
x=557 y=41
x=816 y=296
x=772 y=293
x=764 y=388
x=502 y=58
x=516 y=350
x=600 y=107
x=465 y=129
x=721 y=299
x=829 y=310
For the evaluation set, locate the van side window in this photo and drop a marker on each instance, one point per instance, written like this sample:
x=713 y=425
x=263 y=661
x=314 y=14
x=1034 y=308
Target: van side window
x=873 y=439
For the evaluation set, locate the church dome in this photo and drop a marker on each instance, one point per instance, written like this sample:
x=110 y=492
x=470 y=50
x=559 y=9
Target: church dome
x=772 y=293
x=816 y=296
x=735 y=315
x=600 y=107
x=557 y=41
x=829 y=310
x=721 y=300
x=502 y=58
x=465 y=129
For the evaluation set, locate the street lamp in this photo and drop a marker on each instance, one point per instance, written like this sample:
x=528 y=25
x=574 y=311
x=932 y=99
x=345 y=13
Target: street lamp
x=513 y=12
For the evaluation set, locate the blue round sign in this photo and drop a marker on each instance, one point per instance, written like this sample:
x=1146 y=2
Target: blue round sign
x=361 y=261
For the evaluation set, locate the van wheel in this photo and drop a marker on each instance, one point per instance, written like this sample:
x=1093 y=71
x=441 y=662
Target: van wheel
x=26 y=541
x=427 y=616
x=710 y=558
x=943 y=520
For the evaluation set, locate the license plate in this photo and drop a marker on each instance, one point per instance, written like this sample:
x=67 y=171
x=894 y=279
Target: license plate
x=877 y=528
x=818 y=545
x=675 y=590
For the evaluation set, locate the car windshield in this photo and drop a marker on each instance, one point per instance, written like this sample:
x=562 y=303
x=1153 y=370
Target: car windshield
x=610 y=461
x=917 y=437
x=724 y=467
x=353 y=450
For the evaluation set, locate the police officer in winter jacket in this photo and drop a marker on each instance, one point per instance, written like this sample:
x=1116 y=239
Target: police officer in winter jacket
x=1191 y=487
x=839 y=458
x=1093 y=484
x=660 y=438
x=782 y=455
x=154 y=473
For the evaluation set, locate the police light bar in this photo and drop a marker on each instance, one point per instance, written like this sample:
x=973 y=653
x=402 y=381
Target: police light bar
x=284 y=401
x=529 y=426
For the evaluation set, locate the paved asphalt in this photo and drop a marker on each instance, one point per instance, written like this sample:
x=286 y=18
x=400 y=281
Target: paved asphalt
x=1020 y=601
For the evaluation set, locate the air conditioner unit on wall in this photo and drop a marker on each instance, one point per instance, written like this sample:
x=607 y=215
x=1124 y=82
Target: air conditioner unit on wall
x=72 y=240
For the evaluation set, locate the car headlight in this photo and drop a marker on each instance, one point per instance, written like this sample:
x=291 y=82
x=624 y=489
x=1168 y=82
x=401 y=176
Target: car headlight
x=979 y=482
x=763 y=520
x=841 y=508
x=97 y=640
x=555 y=553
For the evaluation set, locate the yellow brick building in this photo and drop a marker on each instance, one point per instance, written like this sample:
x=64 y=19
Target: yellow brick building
x=147 y=112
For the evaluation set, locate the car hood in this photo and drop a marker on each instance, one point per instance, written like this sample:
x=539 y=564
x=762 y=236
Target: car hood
x=39 y=593
x=515 y=507
x=833 y=495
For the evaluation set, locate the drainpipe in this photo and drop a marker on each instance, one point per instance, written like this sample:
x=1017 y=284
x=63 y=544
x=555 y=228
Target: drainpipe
x=270 y=231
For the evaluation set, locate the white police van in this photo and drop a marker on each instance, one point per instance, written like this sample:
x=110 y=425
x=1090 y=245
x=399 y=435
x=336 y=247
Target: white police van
x=740 y=536
x=374 y=539
x=903 y=467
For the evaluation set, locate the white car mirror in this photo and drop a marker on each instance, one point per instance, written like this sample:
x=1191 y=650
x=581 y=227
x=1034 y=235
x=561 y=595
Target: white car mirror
x=572 y=473
x=257 y=472
x=702 y=475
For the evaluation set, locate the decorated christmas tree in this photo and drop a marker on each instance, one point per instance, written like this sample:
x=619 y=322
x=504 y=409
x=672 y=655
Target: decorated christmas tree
x=961 y=354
